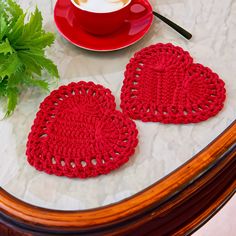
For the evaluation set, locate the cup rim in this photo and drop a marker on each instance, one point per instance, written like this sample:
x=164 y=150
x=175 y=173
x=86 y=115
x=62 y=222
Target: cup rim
x=78 y=7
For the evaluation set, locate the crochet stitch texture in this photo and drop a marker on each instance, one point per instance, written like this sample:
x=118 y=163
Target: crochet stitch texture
x=162 y=84
x=78 y=133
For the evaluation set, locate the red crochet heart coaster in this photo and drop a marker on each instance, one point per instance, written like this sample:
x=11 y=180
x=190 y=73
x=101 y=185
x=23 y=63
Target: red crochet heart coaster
x=78 y=133
x=162 y=84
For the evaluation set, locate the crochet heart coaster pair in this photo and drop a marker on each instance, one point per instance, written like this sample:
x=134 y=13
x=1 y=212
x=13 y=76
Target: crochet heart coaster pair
x=78 y=133
x=162 y=84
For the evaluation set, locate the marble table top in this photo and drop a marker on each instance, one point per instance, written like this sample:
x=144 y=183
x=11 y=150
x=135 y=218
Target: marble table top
x=162 y=148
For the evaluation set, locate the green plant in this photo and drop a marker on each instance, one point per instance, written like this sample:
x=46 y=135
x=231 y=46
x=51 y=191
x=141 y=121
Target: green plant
x=22 y=52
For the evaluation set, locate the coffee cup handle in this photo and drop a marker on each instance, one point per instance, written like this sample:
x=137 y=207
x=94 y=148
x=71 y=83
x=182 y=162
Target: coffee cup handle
x=138 y=8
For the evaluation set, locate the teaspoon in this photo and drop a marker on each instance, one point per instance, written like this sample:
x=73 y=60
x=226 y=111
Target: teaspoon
x=176 y=27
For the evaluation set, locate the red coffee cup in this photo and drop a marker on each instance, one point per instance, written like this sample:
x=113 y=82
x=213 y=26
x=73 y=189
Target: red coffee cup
x=102 y=23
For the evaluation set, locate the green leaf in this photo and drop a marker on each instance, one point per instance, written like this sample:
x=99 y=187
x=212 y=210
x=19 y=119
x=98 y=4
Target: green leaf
x=2 y=7
x=5 y=47
x=3 y=88
x=33 y=26
x=12 y=97
x=42 y=41
x=43 y=62
x=30 y=63
x=14 y=9
x=17 y=29
x=30 y=81
x=3 y=26
x=15 y=79
x=22 y=52
x=48 y=65
x=10 y=65
x=3 y=11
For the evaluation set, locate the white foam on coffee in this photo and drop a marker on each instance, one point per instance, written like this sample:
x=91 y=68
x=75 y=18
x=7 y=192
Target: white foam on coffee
x=101 y=6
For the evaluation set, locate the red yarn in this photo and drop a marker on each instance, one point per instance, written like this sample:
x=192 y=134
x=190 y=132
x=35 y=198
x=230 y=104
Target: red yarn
x=162 y=84
x=78 y=133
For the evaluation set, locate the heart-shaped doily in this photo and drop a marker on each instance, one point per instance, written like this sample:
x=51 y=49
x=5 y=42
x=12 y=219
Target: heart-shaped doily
x=162 y=84
x=78 y=133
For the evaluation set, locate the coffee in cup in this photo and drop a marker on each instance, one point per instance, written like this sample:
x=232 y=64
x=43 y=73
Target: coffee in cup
x=101 y=6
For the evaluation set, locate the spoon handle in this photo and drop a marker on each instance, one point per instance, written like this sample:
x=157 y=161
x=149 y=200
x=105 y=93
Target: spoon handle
x=179 y=29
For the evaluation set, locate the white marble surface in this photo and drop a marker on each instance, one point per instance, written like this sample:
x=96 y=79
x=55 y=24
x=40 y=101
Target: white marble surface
x=162 y=148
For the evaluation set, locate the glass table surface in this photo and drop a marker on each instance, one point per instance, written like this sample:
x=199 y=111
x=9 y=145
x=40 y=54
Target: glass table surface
x=162 y=148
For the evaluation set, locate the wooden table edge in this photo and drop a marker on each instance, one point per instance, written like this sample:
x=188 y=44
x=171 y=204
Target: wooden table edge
x=176 y=205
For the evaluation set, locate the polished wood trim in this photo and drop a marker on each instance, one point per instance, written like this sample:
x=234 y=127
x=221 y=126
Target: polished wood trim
x=177 y=204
